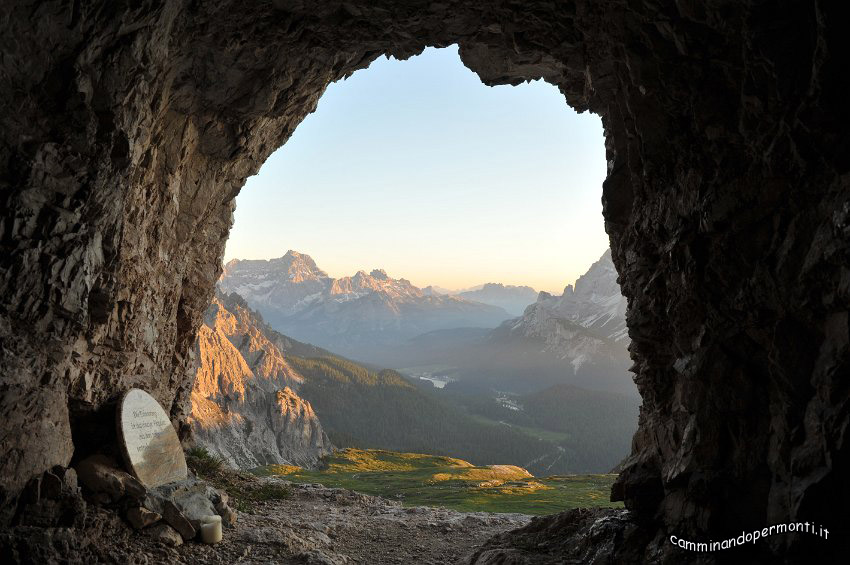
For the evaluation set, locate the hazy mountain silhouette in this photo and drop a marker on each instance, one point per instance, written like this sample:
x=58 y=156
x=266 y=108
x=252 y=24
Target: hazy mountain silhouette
x=362 y=316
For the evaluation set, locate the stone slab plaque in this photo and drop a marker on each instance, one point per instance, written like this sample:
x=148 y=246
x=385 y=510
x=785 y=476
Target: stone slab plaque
x=148 y=441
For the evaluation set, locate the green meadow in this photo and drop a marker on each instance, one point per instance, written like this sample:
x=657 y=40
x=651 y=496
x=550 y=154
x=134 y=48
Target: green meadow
x=429 y=480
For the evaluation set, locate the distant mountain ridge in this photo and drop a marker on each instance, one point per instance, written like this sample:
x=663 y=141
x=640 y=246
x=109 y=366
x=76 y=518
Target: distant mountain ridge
x=261 y=397
x=358 y=316
x=584 y=328
x=579 y=338
x=284 y=283
x=514 y=299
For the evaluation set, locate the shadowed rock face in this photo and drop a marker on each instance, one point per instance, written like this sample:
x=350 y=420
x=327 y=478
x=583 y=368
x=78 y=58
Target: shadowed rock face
x=128 y=131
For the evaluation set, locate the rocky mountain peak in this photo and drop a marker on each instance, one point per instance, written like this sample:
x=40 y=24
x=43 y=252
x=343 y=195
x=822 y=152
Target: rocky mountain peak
x=300 y=266
x=595 y=304
x=599 y=280
x=583 y=331
x=245 y=405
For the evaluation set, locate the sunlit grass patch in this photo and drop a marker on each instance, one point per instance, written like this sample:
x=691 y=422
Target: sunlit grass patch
x=427 y=480
x=492 y=474
x=270 y=470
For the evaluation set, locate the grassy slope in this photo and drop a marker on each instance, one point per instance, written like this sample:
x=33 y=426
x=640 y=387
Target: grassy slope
x=428 y=480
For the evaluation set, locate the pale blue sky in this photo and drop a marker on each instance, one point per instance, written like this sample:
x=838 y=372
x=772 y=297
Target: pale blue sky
x=418 y=168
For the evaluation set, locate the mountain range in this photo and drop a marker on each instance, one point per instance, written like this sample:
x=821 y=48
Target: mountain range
x=362 y=316
x=513 y=299
x=577 y=338
x=261 y=397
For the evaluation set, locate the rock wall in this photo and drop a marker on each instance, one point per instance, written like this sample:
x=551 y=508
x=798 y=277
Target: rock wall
x=244 y=408
x=128 y=129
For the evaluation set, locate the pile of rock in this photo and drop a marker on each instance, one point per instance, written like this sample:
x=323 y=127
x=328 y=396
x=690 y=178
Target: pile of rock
x=141 y=476
x=170 y=513
x=50 y=500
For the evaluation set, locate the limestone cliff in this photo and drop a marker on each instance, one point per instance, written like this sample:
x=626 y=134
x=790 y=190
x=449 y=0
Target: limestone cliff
x=244 y=407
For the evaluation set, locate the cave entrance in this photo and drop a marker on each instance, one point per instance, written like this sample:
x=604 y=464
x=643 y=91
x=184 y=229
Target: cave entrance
x=412 y=165
x=465 y=202
x=416 y=167
x=128 y=132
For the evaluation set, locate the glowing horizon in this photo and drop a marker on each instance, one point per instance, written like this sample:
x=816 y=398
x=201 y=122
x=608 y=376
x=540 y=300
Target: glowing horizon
x=499 y=184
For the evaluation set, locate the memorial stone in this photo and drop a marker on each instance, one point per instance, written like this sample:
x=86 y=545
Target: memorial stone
x=149 y=444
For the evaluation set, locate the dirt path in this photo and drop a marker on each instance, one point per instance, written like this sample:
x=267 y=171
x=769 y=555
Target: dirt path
x=316 y=525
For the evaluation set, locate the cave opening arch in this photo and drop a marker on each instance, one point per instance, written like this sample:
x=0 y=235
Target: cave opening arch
x=373 y=179
x=130 y=131
x=421 y=151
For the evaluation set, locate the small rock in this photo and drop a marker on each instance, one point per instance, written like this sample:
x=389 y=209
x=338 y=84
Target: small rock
x=228 y=515
x=100 y=474
x=164 y=533
x=177 y=520
x=217 y=497
x=133 y=488
x=140 y=517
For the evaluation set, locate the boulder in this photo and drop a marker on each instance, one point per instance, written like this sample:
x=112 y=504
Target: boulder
x=177 y=520
x=101 y=475
x=193 y=498
x=195 y=506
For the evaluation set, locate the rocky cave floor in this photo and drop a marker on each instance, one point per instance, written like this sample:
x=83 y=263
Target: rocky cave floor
x=307 y=524
x=336 y=526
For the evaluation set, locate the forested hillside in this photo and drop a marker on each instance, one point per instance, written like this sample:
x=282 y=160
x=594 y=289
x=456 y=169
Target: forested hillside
x=362 y=408
x=593 y=429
